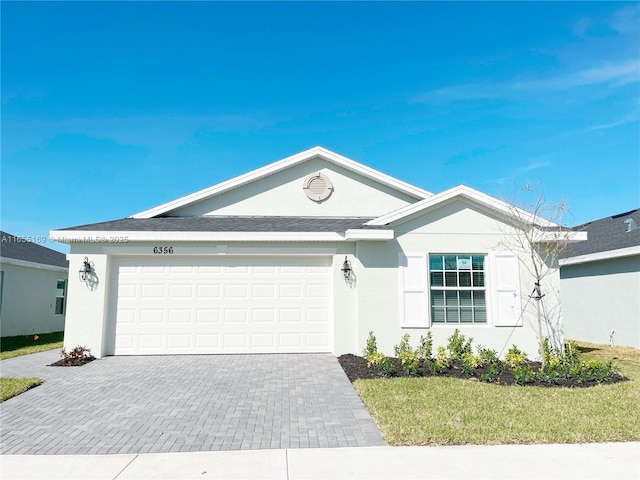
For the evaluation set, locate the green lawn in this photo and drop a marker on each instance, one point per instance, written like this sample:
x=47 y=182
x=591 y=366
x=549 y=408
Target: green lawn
x=449 y=411
x=25 y=344
x=10 y=387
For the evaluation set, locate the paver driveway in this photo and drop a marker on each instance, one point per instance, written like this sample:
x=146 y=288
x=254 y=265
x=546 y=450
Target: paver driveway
x=183 y=403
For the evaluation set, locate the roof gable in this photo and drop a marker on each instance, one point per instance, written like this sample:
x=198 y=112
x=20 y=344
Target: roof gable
x=461 y=191
x=189 y=201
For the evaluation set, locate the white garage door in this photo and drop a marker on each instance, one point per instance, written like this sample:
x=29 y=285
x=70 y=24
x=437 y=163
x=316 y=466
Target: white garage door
x=222 y=305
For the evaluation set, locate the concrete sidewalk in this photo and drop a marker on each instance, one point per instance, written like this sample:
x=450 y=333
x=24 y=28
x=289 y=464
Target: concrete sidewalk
x=514 y=462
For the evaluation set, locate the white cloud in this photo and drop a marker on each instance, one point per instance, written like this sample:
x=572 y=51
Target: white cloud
x=626 y=20
x=609 y=74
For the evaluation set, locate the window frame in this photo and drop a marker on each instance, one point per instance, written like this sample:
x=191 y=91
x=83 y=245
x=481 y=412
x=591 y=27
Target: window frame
x=485 y=289
x=62 y=296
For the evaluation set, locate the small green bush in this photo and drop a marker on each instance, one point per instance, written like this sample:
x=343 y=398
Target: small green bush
x=487 y=356
x=425 y=347
x=594 y=370
x=469 y=363
x=385 y=366
x=404 y=346
x=458 y=345
x=408 y=356
x=515 y=357
x=374 y=359
x=523 y=374
x=371 y=347
x=442 y=359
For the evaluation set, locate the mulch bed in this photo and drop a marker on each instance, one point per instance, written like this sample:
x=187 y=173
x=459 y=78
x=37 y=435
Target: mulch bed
x=355 y=367
x=72 y=363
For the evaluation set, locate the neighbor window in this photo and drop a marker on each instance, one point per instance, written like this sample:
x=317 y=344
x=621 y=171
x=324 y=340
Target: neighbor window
x=61 y=290
x=457 y=288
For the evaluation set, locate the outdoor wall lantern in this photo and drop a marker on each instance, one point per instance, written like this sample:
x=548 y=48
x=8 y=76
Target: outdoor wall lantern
x=346 y=269
x=86 y=270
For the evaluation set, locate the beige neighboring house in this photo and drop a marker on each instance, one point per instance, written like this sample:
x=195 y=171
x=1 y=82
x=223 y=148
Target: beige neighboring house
x=33 y=287
x=600 y=282
x=307 y=254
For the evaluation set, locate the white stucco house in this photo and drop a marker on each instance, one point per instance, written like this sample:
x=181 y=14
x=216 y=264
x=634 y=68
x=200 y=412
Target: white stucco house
x=600 y=282
x=33 y=287
x=256 y=264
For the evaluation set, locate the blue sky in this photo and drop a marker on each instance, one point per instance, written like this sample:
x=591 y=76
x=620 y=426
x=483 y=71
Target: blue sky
x=109 y=109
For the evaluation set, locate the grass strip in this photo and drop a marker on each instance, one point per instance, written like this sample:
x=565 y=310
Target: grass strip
x=10 y=387
x=26 y=344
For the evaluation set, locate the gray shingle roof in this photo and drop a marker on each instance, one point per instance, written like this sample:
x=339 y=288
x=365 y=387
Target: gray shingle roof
x=606 y=234
x=18 y=248
x=228 y=224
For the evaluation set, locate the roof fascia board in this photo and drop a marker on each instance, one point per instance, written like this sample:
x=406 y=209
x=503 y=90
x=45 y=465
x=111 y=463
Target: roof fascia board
x=568 y=236
x=281 y=165
x=359 y=234
x=594 y=257
x=80 y=236
x=27 y=264
x=482 y=199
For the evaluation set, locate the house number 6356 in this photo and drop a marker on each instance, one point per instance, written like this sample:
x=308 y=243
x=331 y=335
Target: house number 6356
x=163 y=250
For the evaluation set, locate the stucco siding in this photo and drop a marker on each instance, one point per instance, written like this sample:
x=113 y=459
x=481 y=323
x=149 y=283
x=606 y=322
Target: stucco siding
x=598 y=297
x=29 y=300
x=456 y=228
x=282 y=194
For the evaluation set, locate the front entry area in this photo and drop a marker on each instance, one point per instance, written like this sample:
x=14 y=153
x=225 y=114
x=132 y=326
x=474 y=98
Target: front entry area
x=220 y=304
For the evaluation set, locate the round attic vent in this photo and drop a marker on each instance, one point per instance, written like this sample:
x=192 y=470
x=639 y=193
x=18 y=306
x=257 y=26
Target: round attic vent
x=317 y=187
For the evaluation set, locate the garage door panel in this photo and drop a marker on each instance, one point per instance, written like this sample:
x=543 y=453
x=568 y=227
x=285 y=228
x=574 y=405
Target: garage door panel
x=178 y=341
x=151 y=291
x=208 y=315
x=208 y=291
x=222 y=305
x=235 y=315
x=179 y=316
x=262 y=340
x=263 y=315
x=317 y=339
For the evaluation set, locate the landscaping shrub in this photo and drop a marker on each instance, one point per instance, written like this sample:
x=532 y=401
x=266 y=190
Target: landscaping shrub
x=442 y=359
x=523 y=374
x=76 y=357
x=515 y=357
x=425 y=348
x=564 y=368
x=407 y=356
x=458 y=345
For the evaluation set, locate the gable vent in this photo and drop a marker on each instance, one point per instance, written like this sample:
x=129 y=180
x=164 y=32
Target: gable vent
x=317 y=187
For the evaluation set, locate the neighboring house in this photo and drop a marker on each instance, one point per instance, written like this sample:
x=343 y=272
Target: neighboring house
x=600 y=282
x=255 y=264
x=33 y=287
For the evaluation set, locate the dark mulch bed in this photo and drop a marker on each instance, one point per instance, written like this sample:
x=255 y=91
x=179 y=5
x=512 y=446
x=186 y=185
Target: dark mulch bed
x=72 y=363
x=355 y=367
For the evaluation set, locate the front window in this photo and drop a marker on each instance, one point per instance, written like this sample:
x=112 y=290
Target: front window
x=61 y=290
x=457 y=288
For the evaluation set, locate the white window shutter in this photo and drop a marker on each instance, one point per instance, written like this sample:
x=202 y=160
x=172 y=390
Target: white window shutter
x=414 y=297
x=508 y=307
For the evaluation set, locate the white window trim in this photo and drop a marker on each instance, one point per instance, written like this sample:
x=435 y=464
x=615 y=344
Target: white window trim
x=63 y=296
x=487 y=293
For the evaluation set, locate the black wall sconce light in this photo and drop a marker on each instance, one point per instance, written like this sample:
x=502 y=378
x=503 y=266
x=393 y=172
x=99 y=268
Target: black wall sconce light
x=86 y=270
x=346 y=269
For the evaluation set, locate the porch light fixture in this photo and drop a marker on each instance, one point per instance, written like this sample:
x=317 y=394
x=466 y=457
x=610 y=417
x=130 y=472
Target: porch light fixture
x=346 y=269
x=86 y=270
